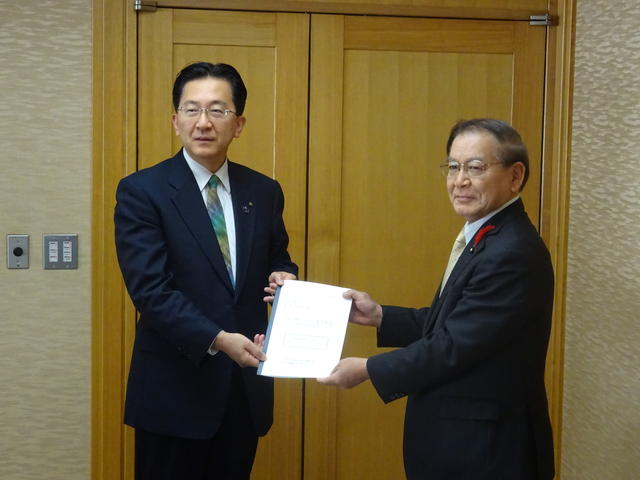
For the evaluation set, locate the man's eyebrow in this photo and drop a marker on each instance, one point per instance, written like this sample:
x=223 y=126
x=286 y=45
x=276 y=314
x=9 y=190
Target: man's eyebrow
x=215 y=102
x=222 y=103
x=451 y=159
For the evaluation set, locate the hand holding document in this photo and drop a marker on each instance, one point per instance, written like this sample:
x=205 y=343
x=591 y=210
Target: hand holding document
x=306 y=330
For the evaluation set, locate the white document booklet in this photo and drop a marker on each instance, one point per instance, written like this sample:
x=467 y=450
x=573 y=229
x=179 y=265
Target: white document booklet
x=306 y=330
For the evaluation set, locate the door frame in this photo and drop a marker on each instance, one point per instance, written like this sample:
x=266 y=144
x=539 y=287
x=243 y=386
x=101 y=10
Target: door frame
x=114 y=156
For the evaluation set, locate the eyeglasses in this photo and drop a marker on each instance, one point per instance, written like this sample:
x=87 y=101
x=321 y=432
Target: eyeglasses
x=472 y=168
x=212 y=113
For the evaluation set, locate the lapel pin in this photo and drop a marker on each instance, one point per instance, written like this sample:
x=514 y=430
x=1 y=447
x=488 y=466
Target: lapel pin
x=247 y=208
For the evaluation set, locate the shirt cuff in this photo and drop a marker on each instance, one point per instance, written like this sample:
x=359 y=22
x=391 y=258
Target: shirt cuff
x=212 y=351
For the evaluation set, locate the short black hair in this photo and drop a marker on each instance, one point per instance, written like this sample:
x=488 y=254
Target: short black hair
x=512 y=148
x=197 y=70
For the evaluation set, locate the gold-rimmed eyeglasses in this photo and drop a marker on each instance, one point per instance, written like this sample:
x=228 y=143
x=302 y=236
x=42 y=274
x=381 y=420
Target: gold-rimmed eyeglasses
x=214 y=113
x=472 y=168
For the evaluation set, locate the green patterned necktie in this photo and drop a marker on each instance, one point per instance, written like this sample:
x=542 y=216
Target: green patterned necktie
x=216 y=214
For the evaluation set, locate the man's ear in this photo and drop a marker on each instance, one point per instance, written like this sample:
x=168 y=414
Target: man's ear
x=517 y=176
x=240 y=123
x=174 y=122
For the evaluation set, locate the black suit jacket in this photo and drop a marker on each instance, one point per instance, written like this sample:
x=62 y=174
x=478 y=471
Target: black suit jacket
x=473 y=363
x=176 y=276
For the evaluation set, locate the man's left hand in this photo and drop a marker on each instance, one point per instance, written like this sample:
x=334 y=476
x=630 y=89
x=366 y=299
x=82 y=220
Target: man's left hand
x=348 y=373
x=240 y=349
x=276 y=279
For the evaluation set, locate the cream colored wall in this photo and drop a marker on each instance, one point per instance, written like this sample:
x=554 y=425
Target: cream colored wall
x=45 y=154
x=601 y=432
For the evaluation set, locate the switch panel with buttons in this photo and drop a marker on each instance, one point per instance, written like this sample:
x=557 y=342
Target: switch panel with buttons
x=60 y=251
x=17 y=251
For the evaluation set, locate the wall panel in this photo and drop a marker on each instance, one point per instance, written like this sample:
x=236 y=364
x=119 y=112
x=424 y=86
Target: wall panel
x=601 y=435
x=45 y=187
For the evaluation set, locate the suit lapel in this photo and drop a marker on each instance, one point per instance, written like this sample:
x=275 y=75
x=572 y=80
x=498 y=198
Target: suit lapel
x=245 y=217
x=439 y=299
x=188 y=201
x=433 y=314
x=471 y=252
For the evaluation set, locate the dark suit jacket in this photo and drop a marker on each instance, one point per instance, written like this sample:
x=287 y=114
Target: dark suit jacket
x=473 y=363
x=176 y=276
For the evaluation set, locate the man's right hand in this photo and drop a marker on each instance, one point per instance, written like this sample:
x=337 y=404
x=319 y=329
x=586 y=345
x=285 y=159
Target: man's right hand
x=364 y=310
x=240 y=349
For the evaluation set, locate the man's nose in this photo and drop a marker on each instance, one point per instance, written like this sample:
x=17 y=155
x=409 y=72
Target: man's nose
x=461 y=178
x=203 y=120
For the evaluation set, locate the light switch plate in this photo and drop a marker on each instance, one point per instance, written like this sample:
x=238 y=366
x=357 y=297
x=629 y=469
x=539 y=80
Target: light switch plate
x=60 y=251
x=17 y=251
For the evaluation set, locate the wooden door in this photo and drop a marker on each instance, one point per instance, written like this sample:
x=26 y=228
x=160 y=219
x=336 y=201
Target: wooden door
x=384 y=93
x=270 y=50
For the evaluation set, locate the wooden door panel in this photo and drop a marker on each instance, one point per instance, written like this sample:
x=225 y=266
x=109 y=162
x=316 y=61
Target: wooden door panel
x=384 y=94
x=397 y=33
x=270 y=50
x=198 y=27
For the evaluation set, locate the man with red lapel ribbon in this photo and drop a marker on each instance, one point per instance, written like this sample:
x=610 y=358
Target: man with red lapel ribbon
x=472 y=364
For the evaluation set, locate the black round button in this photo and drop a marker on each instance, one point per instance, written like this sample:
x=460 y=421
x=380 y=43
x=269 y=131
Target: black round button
x=18 y=251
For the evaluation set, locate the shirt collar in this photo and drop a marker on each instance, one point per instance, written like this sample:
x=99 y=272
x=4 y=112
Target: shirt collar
x=202 y=174
x=470 y=229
